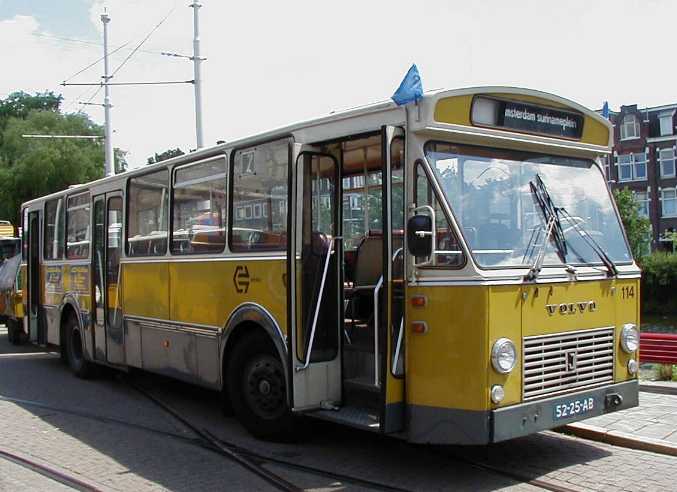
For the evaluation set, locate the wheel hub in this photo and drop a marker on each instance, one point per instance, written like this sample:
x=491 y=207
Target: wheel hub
x=265 y=387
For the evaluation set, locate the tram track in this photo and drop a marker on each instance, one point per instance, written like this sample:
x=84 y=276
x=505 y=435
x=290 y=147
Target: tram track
x=208 y=441
x=251 y=460
x=48 y=472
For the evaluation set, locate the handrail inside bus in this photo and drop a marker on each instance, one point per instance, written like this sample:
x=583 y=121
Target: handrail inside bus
x=379 y=284
x=330 y=252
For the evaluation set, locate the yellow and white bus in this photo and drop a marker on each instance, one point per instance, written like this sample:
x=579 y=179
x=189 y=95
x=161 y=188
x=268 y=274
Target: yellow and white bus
x=450 y=271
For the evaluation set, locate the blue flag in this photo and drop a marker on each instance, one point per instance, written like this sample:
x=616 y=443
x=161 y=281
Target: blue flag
x=411 y=89
x=605 y=110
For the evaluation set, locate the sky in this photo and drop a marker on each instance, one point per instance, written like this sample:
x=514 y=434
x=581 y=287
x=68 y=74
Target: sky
x=272 y=63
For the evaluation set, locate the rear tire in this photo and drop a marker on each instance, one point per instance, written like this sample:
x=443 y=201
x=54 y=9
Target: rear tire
x=257 y=389
x=14 y=333
x=81 y=367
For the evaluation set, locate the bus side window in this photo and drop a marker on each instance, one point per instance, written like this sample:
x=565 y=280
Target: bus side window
x=199 y=208
x=53 y=243
x=260 y=194
x=77 y=219
x=148 y=199
x=449 y=253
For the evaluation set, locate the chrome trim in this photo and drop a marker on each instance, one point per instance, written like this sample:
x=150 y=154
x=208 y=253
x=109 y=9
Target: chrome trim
x=330 y=252
x=377 y=289
x=171 y=325
x=251 y=311
x=563 y=362
x=197 y=259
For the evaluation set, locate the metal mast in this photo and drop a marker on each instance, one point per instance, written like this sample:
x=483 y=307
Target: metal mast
x=108 y=133
x=197 y=60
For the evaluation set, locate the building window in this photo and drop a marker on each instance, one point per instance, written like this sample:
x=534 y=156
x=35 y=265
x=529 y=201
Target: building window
x=629 y=127
x=667 y=162
x=639 y=167
x=642 y=198
x=669 y=202
x=632 y=167
x=666 y=123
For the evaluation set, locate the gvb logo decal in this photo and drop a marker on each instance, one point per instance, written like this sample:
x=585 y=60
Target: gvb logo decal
x=241 y=279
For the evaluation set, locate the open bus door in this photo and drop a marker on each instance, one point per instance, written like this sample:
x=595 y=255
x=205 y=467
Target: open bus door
x=107 y=318
x=392 y=298
x=36 y=331
x=314 y=252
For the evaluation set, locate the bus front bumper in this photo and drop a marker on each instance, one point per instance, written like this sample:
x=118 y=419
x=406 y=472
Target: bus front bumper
x=527 y=418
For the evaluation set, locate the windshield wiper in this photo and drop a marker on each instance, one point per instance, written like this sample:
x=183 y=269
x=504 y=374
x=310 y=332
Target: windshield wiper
x=612 y=270
x=553 y=228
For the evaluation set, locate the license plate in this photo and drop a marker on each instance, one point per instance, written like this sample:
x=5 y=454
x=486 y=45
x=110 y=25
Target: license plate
x=574 y=408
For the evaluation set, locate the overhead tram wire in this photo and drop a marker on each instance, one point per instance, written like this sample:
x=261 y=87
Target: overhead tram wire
x=143 y=41
x=95 y=62
x=92 y=44
x=134 y=50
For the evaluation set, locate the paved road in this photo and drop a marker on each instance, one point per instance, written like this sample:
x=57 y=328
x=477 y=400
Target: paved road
x=655 y=418
x=123 y=457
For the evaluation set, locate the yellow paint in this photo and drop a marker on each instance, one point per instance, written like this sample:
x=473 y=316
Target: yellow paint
x=627 y=311
x=505 y=321
x=205 y=292
x=145 y=289
x=456 y=110
x=450 y=365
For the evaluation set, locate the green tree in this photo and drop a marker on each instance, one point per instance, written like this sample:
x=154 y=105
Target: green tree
x=637 y=227
x=33 y=167
x=167 y=154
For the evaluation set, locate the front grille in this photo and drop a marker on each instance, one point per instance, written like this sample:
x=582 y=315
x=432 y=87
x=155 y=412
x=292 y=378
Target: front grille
x=557 y=363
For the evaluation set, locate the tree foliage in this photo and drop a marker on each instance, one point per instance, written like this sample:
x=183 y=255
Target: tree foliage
x=33 y=167
x=167 y=154
x=637 y=227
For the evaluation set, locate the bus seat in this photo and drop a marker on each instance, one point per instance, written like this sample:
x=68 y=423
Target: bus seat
x=369 y=260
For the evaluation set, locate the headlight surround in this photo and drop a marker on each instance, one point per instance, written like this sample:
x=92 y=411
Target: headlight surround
x=629 y=338
x=504 y=355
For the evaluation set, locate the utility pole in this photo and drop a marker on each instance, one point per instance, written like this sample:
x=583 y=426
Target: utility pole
x=197 y=60
x=108 y=132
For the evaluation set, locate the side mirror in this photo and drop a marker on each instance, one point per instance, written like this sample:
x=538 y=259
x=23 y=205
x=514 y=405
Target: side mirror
x=420 y=235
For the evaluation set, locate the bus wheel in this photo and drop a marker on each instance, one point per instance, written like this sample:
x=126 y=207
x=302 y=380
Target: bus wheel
x=12 y=335
x=257 y=389
x=15 y=334
x=74 y=351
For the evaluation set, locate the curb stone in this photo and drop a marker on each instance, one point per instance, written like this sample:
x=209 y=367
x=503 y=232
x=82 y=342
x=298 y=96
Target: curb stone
x=623 y=439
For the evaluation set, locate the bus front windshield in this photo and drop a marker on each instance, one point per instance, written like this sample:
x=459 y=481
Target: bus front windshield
x=490 y=193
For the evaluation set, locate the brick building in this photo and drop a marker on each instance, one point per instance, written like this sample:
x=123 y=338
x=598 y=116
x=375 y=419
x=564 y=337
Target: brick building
x=643 y=160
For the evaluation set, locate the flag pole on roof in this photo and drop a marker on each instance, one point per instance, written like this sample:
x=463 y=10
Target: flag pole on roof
x=605 y=110
x=410 y=89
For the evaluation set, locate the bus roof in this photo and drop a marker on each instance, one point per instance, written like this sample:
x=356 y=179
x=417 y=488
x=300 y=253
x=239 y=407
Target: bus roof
x=430 y=109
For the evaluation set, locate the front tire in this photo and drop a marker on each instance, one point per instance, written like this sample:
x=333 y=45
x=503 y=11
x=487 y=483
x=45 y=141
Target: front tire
x=81 y=367
x=258 y=390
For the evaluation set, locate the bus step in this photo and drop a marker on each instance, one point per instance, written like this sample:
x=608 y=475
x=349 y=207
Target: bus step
x=354 y=416
x=362 y=393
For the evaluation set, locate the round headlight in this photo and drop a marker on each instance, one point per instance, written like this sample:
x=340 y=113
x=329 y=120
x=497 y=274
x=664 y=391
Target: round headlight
x=503 y=355
x=629 y=338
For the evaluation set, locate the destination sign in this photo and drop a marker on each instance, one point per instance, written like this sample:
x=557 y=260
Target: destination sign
x=527 y=118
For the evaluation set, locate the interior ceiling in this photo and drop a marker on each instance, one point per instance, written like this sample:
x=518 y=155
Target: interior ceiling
x=358 y=152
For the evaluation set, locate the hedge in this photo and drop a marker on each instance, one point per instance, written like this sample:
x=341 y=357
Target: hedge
x=659 y=283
